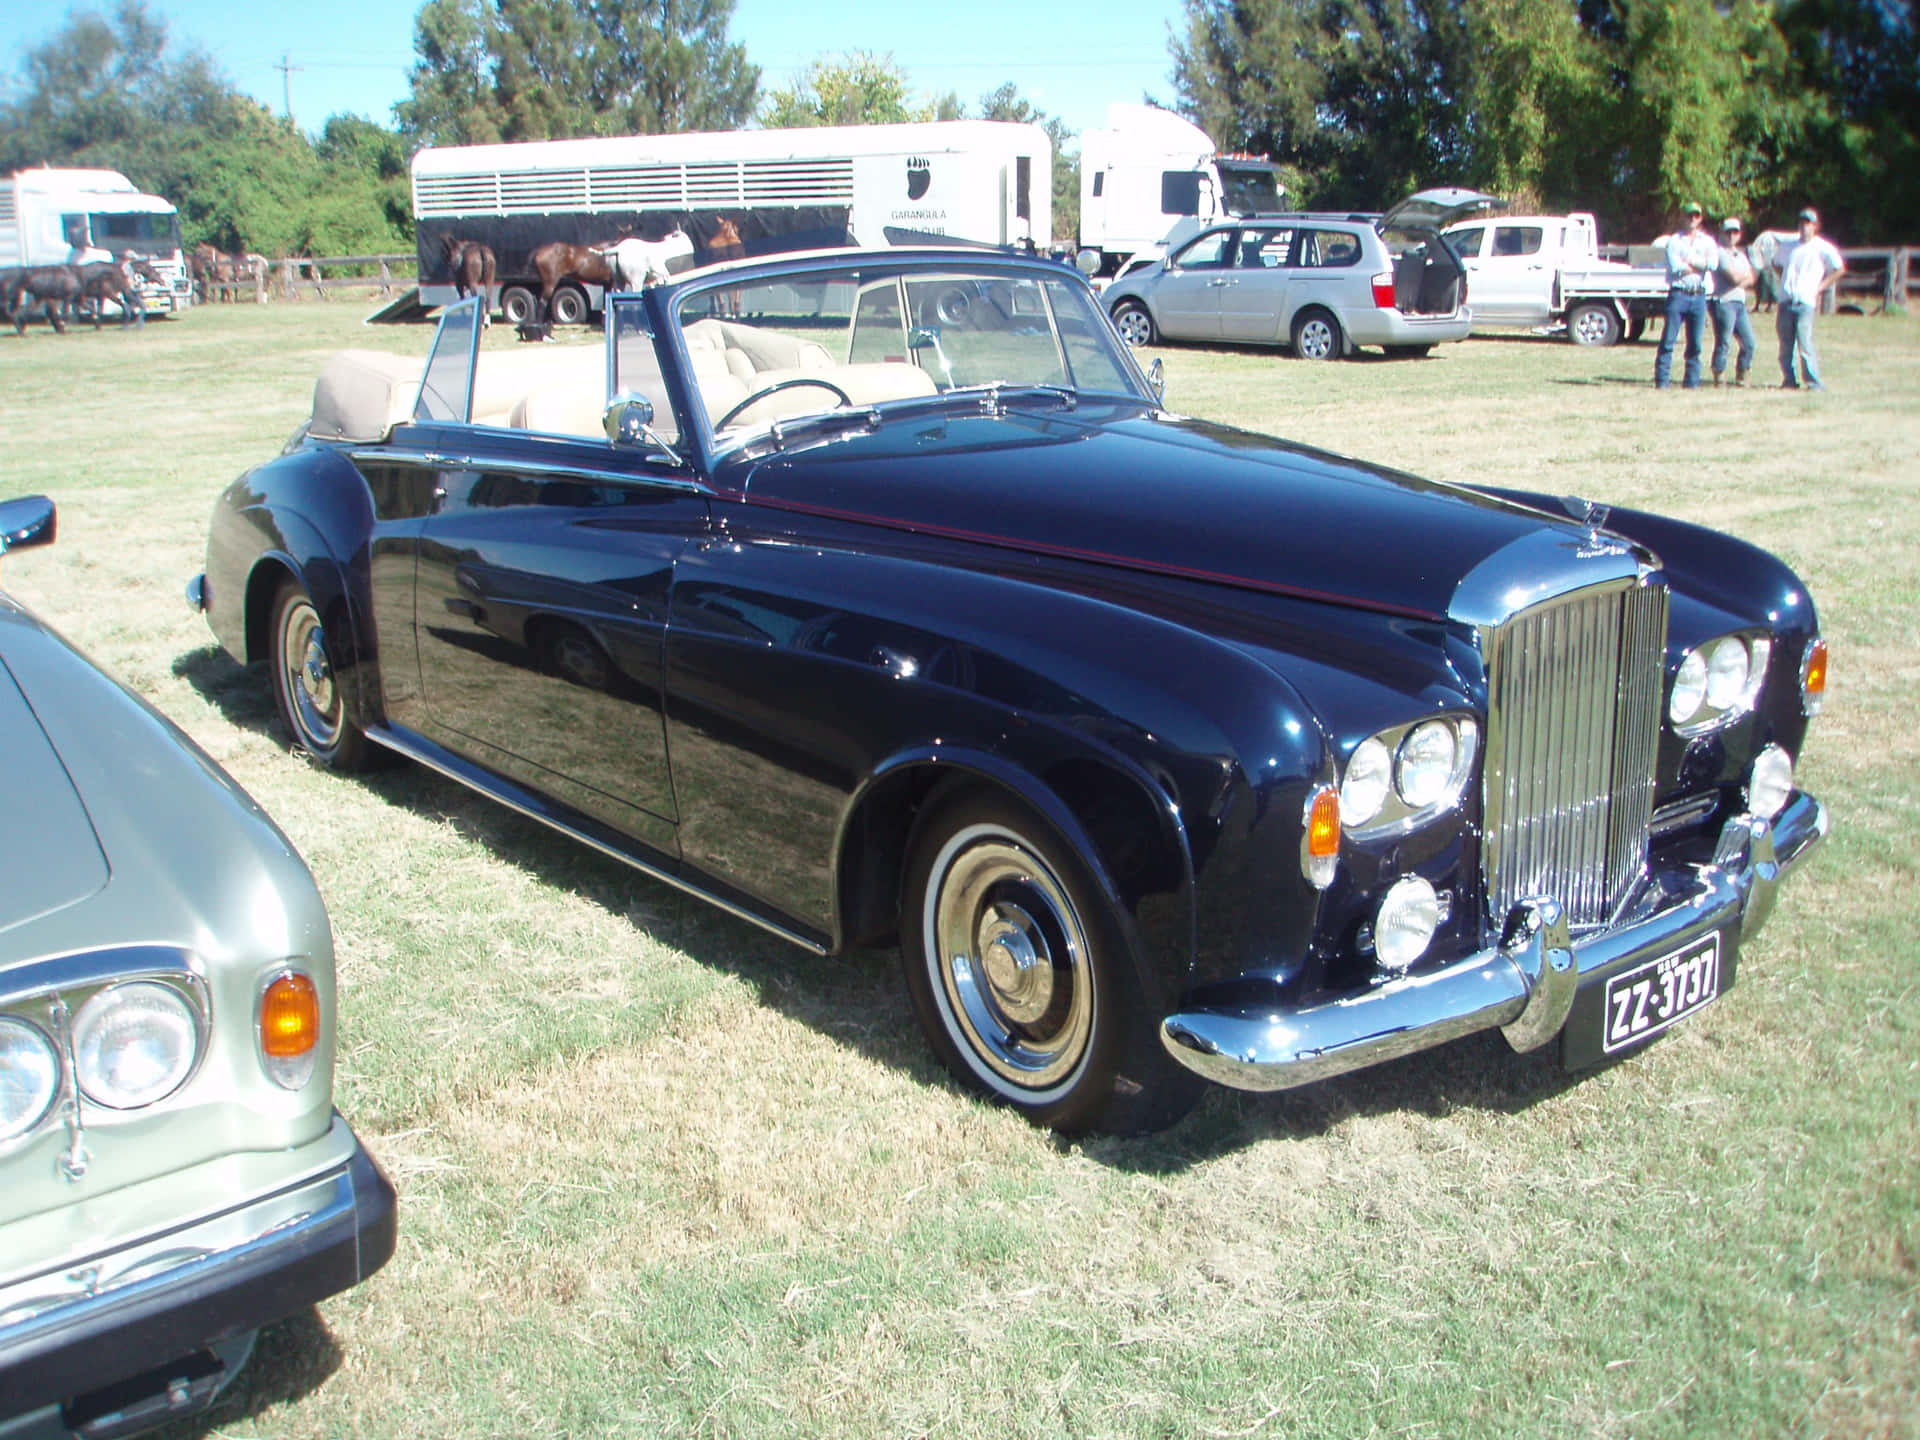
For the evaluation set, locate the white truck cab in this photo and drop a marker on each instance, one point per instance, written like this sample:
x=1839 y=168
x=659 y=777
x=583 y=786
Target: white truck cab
x=1150 y=171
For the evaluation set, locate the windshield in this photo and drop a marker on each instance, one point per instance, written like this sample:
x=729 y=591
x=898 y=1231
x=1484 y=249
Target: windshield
x=865 y=336
x=140 y=230
x=1249 y=188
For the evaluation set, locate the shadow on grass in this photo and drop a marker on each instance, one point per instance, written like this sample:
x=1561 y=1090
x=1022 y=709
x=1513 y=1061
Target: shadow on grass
x=291 y=1359
x=859 y=998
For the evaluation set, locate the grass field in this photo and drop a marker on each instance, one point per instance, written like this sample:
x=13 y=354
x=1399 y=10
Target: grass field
x=663 y=1176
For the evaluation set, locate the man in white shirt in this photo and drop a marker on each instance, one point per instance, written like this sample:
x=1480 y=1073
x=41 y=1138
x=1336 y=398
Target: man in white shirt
x=1691 y=259
x=1809 y=267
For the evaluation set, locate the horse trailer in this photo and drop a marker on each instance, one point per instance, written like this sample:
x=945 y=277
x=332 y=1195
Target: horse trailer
x=68 y=217
x=979 y=181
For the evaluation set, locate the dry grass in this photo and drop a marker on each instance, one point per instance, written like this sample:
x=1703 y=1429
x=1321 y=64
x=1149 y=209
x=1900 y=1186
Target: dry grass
x=663 y=1175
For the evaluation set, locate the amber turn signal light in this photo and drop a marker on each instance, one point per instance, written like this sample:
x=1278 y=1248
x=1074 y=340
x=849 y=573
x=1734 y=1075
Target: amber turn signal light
x=289 y=1017
x=1813 y=677
x=1320 y=845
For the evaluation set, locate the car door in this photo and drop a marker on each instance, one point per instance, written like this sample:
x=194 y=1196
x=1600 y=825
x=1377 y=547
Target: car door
x=1186 y=297
x=1511 y=281
x=1256 y=304
x=541 y=577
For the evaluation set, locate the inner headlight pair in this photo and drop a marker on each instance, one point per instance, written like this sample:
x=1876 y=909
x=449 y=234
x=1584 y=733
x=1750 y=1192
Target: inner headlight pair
x=133 y=1044
x=1405 y=776
x=1718 y=682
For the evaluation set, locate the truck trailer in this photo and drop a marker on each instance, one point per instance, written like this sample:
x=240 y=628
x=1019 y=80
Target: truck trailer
x=54 y=216
x=978 y=181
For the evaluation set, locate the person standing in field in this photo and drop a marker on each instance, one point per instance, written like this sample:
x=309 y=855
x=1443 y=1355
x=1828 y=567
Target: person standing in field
x=1692 y=258
x=1729 y=313
x=1809 y=267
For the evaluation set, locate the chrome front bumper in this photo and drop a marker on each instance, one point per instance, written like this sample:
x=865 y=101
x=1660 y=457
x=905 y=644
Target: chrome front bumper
x=1526 y=984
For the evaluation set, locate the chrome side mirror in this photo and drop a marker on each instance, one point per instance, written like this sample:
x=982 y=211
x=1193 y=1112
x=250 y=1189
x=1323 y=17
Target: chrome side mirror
x=629 y=421
x=1157 y=378
x=29 y=520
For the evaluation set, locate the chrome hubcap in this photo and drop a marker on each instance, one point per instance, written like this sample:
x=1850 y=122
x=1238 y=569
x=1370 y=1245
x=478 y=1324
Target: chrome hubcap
x=1133 y=327
x=1315 y=340
x=314 y=700
x=1014 y=965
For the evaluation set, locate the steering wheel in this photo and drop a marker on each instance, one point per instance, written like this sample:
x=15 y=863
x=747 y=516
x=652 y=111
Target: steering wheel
x=775 y=389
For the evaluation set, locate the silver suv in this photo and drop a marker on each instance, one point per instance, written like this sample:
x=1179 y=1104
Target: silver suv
x=1321 y=283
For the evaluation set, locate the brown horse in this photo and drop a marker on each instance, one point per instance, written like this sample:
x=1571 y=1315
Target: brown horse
x=471 y=265
x=119 y=281
x=726 y=245
x=55 y=287
x=559 y=261
x=216 y=274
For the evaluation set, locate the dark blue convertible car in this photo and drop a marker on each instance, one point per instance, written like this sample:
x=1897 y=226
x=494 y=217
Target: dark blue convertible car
x=876 y=598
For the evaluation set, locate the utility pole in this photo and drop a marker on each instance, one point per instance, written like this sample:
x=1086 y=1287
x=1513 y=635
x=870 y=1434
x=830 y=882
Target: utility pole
x=286 y=69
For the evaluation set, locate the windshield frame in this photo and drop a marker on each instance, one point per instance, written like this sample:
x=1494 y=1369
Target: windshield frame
x=689 y=296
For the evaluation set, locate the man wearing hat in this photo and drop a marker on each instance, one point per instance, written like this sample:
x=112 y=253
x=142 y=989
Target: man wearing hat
x=1809 y=267
x=1729 y=312
x=1691 y=260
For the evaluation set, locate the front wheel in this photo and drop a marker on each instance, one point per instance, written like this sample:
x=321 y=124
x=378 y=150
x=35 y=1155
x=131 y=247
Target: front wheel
x=306 y=690
x=1133 y=322
x=1022 y=978
x=1316 y=336
x=1593 y=325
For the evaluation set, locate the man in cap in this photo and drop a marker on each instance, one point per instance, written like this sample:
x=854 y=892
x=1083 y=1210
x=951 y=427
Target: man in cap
x=1691 y=259
x=1729 y=312
x=1809 y=267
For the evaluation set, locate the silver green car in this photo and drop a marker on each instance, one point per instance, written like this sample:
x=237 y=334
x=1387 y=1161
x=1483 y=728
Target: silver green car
x=173 y=1174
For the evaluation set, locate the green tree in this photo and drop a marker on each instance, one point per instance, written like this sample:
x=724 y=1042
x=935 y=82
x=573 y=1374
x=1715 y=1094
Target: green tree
x=857 y=88
x=490 y=70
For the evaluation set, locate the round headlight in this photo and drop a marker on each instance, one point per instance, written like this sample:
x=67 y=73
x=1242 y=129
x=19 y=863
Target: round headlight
x=1427 y=759
x=1364 y=791
x=1689 y=689
x=1726 y=672
x=133 y=1044
x=1404 y=927
x=1772 y=782
x=29 y=1077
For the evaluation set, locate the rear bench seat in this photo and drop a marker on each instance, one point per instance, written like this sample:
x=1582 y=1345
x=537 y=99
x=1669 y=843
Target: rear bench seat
x=562 y=390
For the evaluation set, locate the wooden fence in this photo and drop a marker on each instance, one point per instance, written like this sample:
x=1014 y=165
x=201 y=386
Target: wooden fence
x=301 y=276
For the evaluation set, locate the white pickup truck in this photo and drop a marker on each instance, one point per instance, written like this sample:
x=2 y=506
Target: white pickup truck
x=1541 y=270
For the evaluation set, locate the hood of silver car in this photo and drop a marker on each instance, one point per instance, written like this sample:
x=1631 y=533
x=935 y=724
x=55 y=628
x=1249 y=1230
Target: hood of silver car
x=49 y=853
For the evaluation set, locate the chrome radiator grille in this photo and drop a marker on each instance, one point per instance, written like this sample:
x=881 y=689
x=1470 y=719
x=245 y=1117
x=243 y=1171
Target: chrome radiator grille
x=1573 y=729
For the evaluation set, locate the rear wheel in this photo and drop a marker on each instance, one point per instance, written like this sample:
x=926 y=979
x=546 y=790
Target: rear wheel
x=1022 y=977
x=305 y=689
x=1316 y=336
x=1409 y=352
x=570 y=306
x=516 y=305
x=1133 y=322
x=1593 y=324
x=1636 y=327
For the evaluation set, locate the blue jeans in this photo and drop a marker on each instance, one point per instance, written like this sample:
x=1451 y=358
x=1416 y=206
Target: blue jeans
x=1688 y=308
x=1730 y=323
x=1794 y=326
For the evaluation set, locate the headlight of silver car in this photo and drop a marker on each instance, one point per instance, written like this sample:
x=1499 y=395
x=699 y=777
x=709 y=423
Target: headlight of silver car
x=29 y=1077
x=1403 y=777
x=134 y=1043
x=1718 y=682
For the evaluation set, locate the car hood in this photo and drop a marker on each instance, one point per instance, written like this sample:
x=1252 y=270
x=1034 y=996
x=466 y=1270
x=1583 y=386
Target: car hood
x=1128 y=486
x=113 y=834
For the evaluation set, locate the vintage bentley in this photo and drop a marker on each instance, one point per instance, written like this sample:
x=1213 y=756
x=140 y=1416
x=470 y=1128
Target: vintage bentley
x=173 y=1174
x=877 y=598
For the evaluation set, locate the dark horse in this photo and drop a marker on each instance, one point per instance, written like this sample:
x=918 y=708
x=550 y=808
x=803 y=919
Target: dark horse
x=55 y=287
x=119 y=281
x=471 y=264
x=559 y=261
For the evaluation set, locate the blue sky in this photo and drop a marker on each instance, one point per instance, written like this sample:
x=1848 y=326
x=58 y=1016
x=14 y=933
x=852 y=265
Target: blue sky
x=352 y=55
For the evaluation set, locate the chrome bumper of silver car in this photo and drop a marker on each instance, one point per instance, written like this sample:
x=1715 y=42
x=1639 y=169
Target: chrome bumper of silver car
x=1526 y=984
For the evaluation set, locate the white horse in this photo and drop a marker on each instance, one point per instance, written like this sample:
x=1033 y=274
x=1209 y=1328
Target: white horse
x=639 y=263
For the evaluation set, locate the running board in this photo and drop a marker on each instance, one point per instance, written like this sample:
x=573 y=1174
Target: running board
x=525 y=802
